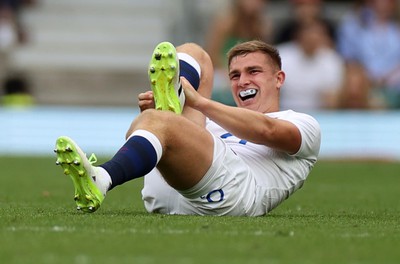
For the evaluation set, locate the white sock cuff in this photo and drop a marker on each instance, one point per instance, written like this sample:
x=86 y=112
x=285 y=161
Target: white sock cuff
x=151 y=138
x=189 y=59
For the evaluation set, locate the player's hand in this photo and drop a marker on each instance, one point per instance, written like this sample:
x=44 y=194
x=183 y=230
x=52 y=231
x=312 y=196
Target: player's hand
x=192 y=97
x=146 y=101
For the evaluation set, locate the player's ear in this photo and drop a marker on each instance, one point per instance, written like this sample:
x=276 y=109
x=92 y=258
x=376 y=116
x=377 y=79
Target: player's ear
x=280 y=78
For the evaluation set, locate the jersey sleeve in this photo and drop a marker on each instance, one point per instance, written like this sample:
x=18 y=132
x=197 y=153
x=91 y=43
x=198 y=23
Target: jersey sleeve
x=310 y=136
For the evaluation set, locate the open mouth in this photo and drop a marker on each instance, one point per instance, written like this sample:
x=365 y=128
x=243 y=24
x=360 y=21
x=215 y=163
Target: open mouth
x=247 y=94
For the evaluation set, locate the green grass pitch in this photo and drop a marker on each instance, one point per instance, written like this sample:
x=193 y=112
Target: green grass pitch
x=347 y=212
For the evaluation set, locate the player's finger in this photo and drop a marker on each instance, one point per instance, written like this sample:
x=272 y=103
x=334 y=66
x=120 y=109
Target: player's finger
x=146 y=96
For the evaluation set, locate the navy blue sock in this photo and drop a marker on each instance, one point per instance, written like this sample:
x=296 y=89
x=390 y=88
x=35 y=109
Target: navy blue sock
x=189 y=72
x=135 y=158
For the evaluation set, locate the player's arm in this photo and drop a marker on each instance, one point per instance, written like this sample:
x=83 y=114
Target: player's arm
x=247 y=124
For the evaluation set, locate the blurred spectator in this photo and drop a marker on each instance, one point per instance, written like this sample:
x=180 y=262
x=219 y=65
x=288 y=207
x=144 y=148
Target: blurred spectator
x=12 y=33
x=243 y=20
x=314 y=70
x=356 y=90
x=16 y=92
x=303 y=11
x=8 y=29
x=370 y=36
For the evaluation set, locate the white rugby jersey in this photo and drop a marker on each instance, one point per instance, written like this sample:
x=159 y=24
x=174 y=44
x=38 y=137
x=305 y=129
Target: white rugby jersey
x=272 y=168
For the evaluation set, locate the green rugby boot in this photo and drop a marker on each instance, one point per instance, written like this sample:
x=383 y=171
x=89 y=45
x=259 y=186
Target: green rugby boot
x=164 y=78
x=70 y=157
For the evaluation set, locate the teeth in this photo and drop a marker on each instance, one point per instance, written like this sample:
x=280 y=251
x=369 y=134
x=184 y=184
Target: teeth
x=152 y=70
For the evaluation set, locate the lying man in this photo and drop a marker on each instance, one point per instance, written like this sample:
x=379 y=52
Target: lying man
x=201 y=157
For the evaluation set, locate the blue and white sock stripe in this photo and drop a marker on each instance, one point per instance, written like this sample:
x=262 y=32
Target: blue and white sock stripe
x=190 y=69
x=154 y=141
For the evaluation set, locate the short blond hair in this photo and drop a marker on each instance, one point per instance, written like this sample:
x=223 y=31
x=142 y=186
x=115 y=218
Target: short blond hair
x=254 y=46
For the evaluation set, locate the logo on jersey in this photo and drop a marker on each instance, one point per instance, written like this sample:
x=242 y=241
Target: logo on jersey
x=226 y=135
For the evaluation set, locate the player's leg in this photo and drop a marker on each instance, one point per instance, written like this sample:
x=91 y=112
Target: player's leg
x=175 y=133
x=167 y=64
x=163 y=137
x=205 y=84
x=180 y=149
x=185 y=149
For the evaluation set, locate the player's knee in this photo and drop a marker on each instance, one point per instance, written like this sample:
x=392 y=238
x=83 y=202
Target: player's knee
x=197 y=52
x=189 y=47
x=152 y=120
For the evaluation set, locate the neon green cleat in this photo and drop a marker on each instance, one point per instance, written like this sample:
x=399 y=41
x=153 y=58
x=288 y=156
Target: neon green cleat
x=164 y=78
x=74 y=162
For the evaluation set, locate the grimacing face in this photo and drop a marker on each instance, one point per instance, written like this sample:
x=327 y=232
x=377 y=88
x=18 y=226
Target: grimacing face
x=255 y=82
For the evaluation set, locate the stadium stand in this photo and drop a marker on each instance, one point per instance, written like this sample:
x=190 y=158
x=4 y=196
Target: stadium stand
x=95 y=52
x=90 y=52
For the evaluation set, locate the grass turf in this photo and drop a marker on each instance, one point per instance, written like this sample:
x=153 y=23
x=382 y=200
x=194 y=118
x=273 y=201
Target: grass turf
x=346 y=213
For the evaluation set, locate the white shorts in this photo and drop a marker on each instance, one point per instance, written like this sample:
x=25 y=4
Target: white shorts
x=228 y=188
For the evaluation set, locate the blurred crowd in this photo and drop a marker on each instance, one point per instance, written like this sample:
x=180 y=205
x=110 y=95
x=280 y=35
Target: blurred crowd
x=353 y=63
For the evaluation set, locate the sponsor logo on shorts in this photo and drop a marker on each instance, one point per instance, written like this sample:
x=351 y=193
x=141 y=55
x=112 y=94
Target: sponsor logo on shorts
x=214 y=196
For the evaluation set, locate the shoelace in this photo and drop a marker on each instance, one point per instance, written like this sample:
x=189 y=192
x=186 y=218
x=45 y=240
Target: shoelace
x=92 y=159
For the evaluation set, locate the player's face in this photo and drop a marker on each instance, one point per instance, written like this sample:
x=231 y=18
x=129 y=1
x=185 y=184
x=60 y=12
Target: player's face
x=255 y=82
